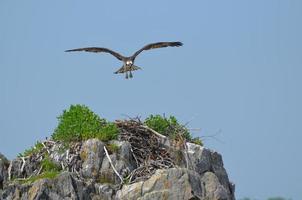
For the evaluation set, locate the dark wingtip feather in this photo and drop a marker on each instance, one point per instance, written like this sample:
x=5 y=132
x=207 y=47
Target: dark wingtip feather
x=177 y=44
x=69 y=50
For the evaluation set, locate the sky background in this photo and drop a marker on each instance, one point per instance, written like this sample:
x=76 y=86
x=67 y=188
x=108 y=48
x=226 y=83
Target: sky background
x=238 y=76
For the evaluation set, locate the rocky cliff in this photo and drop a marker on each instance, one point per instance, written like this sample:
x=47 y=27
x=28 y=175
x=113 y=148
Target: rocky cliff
x=140 y=164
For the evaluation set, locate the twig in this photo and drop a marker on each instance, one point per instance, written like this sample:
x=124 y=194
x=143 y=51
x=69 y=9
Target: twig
x=213 y=136
x=110 y=161
x=186 y=155
x=62 y=165
x=194 y=129
x=49 y=141
x=21 y=179
x=67 y=154
x=155 y=132
x=134 y=156
x=39 y=170
x=23 y=164
x=132 y=118
x=45 y=147
x=134 y=171
x=10 y=169
x=29 y=176
x=77 y=172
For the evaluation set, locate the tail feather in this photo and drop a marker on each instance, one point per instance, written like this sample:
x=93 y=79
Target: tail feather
x=120 y=70
x=134 y=67
x=124 y=69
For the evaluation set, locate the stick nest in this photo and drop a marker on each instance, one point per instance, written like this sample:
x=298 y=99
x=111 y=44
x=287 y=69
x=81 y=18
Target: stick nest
x=147 y=150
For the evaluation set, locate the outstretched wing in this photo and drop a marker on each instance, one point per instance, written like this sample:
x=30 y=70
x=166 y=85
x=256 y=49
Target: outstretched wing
x=157 y=45
x=97 y=50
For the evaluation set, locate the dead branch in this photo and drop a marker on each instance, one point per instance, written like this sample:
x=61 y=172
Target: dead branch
x=45 y=147
x=10 y=170
x=110 y=161
x=23 y=164
x=155 y=132
x=39 y=170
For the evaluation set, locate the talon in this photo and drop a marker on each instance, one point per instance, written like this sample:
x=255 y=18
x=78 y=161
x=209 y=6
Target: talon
x=126 y=75
x=130 y=74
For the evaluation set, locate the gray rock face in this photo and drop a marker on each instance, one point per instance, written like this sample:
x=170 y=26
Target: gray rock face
x=122 y=161
x=204 y=160
x=92 y=154
x=4 y=164
x=65 y=186
x=104 y=192
x=198 y=174
x=176 y=184
x=167 y=184
x=213 y=188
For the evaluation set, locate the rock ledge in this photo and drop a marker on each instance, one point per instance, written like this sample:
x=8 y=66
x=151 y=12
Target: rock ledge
x=168 y=170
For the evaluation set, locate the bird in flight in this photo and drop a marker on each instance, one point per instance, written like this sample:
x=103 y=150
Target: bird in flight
x=128 y=62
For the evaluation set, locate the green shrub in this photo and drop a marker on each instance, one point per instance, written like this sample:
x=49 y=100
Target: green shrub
x=49 y=170
x=158 y=123
x=80 y=123
x=112 y=148
x=197 y=140
x=48 y=175
x=109 y=131
x=35 y=149
x=170 y=127
x=49 y=166
x=167 y=126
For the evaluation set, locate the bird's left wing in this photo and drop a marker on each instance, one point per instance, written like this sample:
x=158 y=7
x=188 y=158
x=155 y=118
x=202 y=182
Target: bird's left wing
x=158 y=45
x=97 y=50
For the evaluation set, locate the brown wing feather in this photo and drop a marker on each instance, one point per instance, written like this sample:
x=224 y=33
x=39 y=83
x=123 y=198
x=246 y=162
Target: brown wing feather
x=97 y=50
x=158 y=45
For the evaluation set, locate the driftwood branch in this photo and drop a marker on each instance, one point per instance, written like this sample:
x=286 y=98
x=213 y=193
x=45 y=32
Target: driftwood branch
x=10 y=170
x=153 y=131
x=133 y=154
x=62 y=165
x=23 y=164
x=69 y=160
x=186 y=155
x=39 y=170
x=45 y=147
x=110 y=161
x=67 y=154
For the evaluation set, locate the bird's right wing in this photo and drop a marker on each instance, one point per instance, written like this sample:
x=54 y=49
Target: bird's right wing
x=97 y=50
x=157 y=45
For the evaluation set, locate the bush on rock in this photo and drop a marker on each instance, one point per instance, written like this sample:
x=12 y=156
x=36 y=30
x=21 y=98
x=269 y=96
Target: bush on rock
x=80 y=123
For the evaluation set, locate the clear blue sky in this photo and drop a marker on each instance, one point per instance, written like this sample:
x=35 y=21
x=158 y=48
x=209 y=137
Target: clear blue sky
x=239 y=71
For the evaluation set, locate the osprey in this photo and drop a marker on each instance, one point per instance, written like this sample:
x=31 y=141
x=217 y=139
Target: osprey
x=128 y=65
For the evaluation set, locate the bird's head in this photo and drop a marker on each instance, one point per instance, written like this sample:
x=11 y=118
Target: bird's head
x=129 y=62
